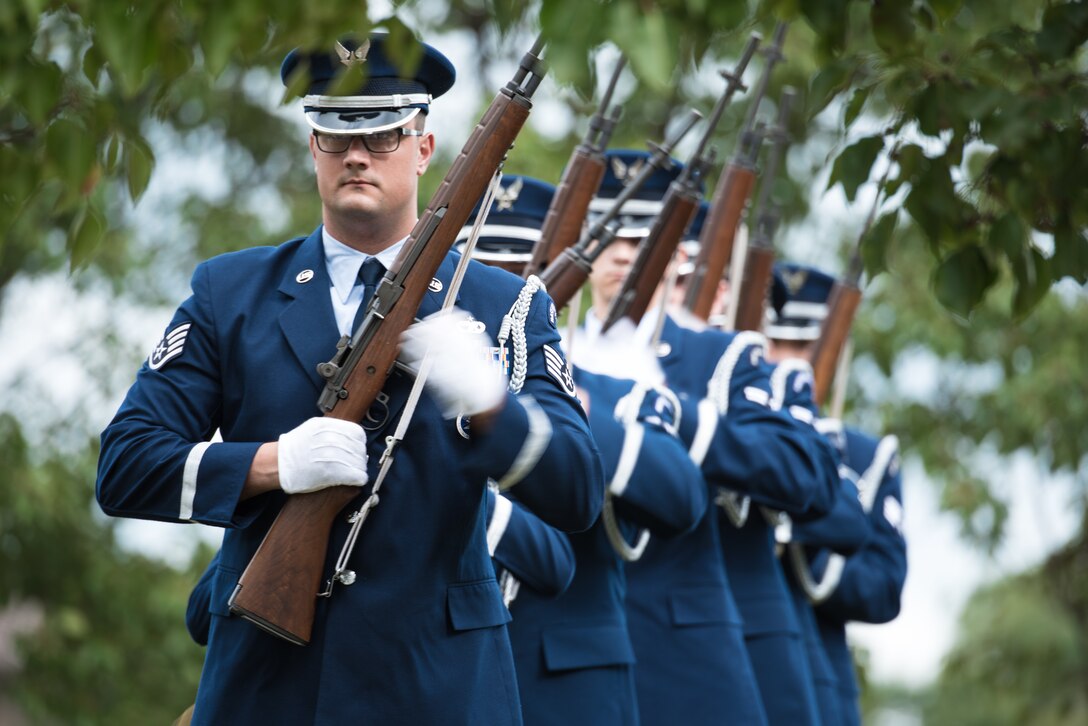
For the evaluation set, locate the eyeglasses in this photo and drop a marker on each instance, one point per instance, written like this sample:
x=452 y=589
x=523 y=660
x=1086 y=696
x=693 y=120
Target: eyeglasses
x=379 y=142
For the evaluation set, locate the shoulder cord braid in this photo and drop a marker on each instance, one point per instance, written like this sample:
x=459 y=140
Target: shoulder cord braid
x=513 y=329
x=735 y=506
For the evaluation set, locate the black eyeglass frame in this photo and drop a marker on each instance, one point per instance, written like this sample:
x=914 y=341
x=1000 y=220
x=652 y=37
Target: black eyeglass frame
x=344 y=140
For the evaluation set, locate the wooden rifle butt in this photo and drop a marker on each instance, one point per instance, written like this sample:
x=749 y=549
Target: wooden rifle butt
x=758 y=271
x=284 y=599
x=842 y=306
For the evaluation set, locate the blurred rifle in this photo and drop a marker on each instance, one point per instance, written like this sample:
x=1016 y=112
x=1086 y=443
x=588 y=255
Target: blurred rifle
x=677 y=210
x=278 y=590
x=842 y=303
x=759 y=259
x=583 y=174
x=565 y=276
x=730 y=198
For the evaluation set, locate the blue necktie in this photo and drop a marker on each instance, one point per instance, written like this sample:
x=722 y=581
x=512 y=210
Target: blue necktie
x=370 y=274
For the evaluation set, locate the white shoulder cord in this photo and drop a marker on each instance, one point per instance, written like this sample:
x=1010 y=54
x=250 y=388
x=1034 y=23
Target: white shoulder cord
x=513 y=329
x=340 y=573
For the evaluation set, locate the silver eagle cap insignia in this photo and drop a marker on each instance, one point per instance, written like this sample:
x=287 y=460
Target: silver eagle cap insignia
x=353 y=57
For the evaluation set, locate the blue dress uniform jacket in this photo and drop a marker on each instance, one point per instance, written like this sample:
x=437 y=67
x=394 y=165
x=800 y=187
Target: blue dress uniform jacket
x=872 y=579
x=420 y=636
x=843 y=531
x=693 y=666
x=573 y=656
x=537 y=555
x=773 y=633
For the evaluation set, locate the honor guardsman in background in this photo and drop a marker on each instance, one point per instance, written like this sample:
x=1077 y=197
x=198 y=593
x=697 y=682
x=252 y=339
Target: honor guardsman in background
x=700 y=671
x=573 y=655
x=867 y=585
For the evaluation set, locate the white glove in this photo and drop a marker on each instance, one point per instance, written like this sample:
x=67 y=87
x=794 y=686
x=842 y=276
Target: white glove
x=462 y=378
x=619 y=353
x=322 y=452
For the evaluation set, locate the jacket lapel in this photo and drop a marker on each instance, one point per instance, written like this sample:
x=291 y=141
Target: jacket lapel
x=307 y=321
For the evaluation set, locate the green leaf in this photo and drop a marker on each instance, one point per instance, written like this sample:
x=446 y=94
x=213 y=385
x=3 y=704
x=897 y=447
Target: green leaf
x=69 y=151
x=945 y=9
x=830 y=19
x=403 y=47
x=139 y=161
x=40 y=91
x=962 y=279
x=852 y=167
x=1033 y=281
x=1064 y=30
x=893 y=26
x=855 y=105
x=1008 y=235
x=875 y=243
x=84 y=237
x=1070 y=255
x=830 y=81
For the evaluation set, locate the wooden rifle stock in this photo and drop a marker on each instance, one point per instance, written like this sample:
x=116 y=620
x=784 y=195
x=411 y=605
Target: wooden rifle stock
x=842 y=306
x=565 y=277
x=730 y=198
x=634 y=296
x=582 y=176
x=569 y=271
x=718 y=235
x=758 y=270
x=563 y=223
x=278 y=590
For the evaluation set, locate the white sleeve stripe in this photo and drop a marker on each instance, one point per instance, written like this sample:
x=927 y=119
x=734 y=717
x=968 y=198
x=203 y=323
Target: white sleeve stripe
x=536 y=442
x=188 y=479
x=632 y=445
x=500 y=518
x=704 y=433
x=801 y=413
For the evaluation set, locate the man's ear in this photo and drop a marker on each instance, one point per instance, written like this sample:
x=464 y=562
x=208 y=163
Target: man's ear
x=426 y=151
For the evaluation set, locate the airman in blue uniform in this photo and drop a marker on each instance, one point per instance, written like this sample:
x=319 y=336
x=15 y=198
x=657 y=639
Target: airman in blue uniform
x=420 y=637
x=851 y=564
x=573 y=656
x=694 y=666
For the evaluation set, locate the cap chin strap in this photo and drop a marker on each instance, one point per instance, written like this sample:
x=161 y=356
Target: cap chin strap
x=336 y=103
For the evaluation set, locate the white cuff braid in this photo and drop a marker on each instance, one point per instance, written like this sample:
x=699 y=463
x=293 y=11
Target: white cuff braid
x=322 y=452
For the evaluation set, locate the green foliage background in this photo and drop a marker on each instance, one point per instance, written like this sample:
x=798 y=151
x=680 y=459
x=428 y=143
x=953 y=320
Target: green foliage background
x=986 y=210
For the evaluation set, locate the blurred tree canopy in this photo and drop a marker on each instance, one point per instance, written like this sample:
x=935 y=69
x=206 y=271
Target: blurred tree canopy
x=985 y=104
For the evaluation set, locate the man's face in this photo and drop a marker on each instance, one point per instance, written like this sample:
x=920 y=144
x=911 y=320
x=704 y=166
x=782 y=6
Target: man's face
x=359 y=185
x=612 y=266
x=779 y=350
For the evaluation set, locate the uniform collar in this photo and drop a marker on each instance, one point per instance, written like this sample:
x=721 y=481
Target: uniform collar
x=343 y=262
x=643 y=333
